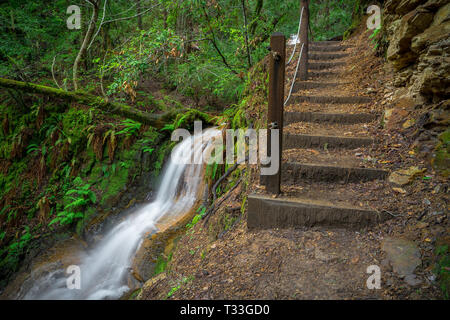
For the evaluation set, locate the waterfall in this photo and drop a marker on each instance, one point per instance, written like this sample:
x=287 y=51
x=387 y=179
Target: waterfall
x=105 y=267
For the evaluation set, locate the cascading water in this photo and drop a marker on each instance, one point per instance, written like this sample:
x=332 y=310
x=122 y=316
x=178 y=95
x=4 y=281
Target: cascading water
x=105 y=268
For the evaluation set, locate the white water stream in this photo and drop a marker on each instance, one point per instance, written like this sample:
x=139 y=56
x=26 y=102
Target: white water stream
x=104 y=268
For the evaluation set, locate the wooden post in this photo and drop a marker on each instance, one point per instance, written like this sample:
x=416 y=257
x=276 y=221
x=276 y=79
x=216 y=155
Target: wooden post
x=303 y=68
x=277 y=64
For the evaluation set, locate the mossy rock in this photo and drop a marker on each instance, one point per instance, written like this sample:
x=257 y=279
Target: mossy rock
x=441 y=161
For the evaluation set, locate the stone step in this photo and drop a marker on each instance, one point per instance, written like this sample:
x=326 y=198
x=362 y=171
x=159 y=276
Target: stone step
x=304 y=85
x=328 y=48
x=329 y=99
x=291 y=141
x=325 y=43
x=330 y=108
x=322 y=74
x=341 y=118
x=327 y=56
x=265 y=212
x=293 y=173
x=324 y=65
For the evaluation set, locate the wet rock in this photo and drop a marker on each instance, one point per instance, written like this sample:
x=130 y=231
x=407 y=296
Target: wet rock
x=150 y=284
x=404 y=177
x=323 y=256
x=411 y=25
x=407 y=5
x=408 y=123
x=418 y=34
x=403 y=255
x=412 y=280
x=421 y=225
x=433 y=76
x=403 y=77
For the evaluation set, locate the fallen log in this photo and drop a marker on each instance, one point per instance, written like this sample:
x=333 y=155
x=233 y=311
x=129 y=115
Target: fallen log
x=120 y=109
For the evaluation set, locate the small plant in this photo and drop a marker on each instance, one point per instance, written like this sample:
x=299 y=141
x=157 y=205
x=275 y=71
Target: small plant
x=375 y=38
x=442 y=269
x=131 y=128
x=173 y=290
x=176 y=288
x=72 y=211
x=148 y=150
x=201 y=211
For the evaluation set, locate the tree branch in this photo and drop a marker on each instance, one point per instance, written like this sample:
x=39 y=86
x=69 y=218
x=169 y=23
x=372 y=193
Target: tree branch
x=213 y=41
x=120 y=109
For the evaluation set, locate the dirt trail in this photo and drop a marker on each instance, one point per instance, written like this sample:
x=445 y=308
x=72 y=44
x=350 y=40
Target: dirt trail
x=322 y=263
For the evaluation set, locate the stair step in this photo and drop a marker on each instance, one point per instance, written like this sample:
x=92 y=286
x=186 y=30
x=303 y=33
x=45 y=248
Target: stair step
x=265 y=212
x=304 y=85
x=291 y=141
x=322 y=74
x=324 y=65
x=329 y=99
x=327 y=56
x=293 y=172
x=342 y=118
x=325 y=43
x=328 y=48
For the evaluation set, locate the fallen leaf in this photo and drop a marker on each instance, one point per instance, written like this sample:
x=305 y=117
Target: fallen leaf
x=399 y=190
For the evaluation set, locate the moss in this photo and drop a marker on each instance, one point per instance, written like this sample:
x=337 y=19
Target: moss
x=442 y=265
x=74 y=125
x=161 y=263
x=441 y=161
x=114 y=184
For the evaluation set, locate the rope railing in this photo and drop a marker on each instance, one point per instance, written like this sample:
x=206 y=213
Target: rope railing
x=295 y=75
x=297 y=39
x=292 y=56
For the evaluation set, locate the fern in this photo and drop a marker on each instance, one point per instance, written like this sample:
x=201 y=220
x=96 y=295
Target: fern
x=83 y=197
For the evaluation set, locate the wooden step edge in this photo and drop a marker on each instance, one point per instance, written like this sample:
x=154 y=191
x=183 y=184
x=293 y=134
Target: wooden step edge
x=293 y=141
x=293 y=172
x=265 y=212
x=342 y=118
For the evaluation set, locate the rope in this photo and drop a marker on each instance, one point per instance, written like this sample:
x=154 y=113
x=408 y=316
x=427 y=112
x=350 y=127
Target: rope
x=295 y=75
x=298 y=35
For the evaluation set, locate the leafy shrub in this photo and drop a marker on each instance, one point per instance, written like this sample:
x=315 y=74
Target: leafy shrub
x=75 y=204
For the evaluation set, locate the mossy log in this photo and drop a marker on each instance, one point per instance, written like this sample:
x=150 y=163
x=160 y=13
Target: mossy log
x=120 y=109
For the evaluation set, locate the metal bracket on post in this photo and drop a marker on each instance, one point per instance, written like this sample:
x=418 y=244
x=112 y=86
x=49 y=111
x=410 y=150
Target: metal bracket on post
x=277 y=64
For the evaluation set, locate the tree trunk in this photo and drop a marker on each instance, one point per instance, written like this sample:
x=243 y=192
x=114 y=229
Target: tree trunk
x=249 y=57
x=86 y=41
x=138 y=9
x=120 y=109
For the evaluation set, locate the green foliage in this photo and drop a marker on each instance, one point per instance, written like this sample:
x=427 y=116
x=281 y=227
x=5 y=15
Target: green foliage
x=143 y=53
x=75 y=204
x=441 y=160
x=31 y=34
x=10 y=255
x=174 y=289
x=131 y=128
x=442 y=268
x=375 y=37
x=330 y=18
x=161 y=263
x=200 y=212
